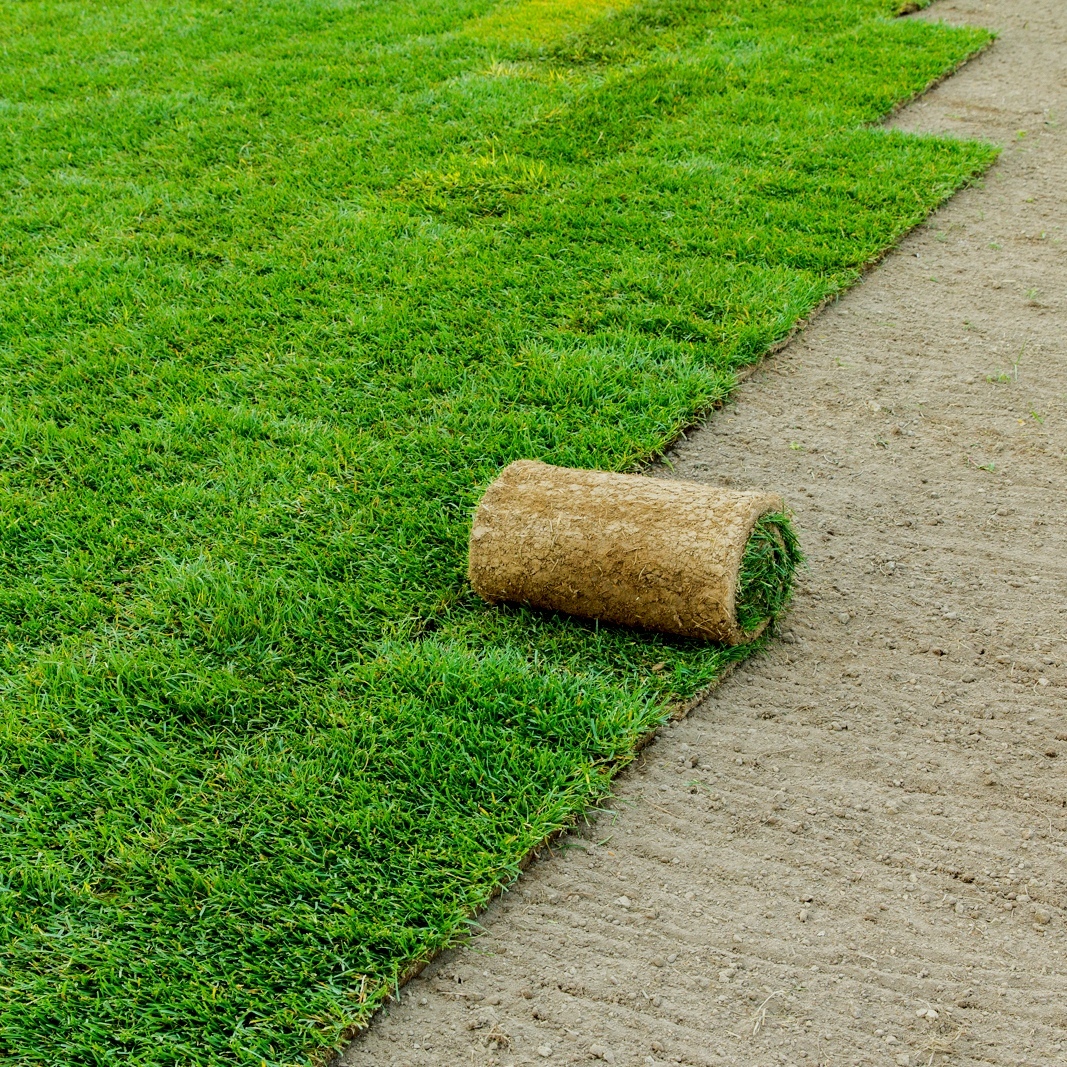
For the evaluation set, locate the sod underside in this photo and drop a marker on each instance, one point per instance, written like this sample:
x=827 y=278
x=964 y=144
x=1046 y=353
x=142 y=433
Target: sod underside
x=283 y=287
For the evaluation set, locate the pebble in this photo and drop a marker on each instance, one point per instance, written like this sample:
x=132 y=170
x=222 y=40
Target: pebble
x=1042 y=915
x=657 y=961
x=843 y=618
x=803 y=916
x=623 y=902
x=544 y=1051
x=602 y=1052
x=672 y=957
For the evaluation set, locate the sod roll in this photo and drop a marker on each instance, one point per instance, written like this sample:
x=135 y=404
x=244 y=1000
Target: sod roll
x=665 y=555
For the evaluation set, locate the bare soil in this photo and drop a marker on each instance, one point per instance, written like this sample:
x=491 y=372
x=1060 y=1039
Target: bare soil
x=854 y=851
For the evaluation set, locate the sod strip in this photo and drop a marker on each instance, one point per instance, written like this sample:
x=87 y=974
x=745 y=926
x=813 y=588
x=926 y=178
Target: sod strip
x=282 y=288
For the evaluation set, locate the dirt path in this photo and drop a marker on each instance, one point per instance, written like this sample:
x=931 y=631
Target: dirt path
x=855 y=853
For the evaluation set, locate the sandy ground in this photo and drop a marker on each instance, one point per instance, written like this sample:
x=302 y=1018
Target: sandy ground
x=856 y=851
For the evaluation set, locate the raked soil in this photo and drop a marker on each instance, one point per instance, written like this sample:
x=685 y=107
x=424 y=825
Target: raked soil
x=855 y=851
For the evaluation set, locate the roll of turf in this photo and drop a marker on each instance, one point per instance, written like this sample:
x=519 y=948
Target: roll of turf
x=667 y=555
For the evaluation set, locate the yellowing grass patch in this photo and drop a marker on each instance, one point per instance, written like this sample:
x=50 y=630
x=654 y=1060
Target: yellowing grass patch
x=539 y=22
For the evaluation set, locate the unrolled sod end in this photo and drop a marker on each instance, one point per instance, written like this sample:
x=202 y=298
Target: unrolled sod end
x=665 y=555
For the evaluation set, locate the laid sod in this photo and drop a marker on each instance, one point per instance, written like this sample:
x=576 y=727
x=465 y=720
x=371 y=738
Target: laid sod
x=283 y=287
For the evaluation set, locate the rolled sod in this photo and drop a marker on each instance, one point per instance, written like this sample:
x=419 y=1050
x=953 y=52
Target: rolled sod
x=675 y=556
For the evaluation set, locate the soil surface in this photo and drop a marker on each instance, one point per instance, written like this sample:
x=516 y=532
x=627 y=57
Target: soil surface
x=855 y=852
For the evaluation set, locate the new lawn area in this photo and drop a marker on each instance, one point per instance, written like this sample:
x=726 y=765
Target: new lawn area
x=282 y=287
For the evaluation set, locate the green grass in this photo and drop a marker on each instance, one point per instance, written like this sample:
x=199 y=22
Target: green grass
x=282 y=287
x=765 y=581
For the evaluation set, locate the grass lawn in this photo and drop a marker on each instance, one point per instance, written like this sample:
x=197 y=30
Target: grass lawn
x=282 y=287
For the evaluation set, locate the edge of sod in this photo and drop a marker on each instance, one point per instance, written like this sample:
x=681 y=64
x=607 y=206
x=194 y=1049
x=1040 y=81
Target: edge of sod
x=674 y=711
x=934 y=82
x=750 y=368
